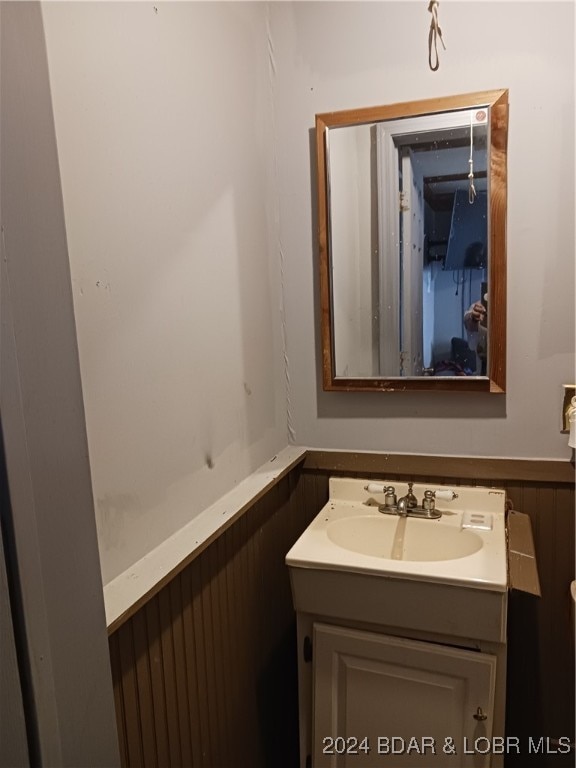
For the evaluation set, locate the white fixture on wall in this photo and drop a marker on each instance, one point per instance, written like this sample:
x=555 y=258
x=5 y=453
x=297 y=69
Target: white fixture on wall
x=572 y=423
x=569 y=413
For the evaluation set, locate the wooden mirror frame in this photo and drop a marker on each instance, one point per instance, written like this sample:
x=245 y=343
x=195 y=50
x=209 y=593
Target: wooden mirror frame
x=495 y=380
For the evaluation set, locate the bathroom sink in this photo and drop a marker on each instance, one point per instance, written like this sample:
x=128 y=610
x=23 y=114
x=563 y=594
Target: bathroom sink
x=466 y=545
x=401 y=595
x=355 y=563
x=402 y=538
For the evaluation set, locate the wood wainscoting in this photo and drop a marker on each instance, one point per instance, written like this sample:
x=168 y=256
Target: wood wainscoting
x=205 y=673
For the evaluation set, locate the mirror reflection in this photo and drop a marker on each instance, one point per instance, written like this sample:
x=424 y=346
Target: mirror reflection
x=407 y=262
x=409 y=244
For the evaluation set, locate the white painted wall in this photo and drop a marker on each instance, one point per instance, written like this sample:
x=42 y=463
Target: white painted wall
x=185 y=140
x=338 y=55
x=164 y=125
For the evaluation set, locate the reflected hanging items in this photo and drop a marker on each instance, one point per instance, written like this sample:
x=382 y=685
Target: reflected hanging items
x=471 y=187
x=433 y=35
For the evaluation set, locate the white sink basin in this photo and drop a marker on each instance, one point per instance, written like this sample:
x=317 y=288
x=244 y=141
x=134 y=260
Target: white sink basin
x=402 y=538
x=465 y=546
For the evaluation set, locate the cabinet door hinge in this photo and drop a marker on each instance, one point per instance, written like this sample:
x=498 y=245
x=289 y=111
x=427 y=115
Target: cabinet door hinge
x=307 y=649
x=403 y=201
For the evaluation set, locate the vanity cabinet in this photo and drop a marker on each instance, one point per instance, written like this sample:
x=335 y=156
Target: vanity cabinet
x=402 y=630
x=386 y=700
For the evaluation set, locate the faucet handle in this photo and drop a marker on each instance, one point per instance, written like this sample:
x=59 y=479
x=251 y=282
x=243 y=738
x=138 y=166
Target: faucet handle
x=447 y=494
x=428 y=501
x=375 y=488
x=390 y=499
x=389 y=492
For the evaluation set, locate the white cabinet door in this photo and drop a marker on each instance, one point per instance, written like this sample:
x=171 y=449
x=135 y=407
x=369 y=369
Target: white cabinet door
x=387 y=701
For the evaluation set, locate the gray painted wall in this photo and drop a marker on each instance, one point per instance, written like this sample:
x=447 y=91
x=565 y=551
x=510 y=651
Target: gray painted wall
x=164 y=126
x=338 y=55
x=185 y=151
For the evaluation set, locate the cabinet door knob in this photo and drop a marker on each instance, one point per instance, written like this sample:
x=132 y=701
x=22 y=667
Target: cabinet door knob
x=480 y=715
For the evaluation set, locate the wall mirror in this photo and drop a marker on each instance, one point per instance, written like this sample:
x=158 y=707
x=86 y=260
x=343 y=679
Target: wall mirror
x=412 y=234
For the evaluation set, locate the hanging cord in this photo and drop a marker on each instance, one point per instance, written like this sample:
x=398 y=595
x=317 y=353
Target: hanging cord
x=456 y=280
x=433 y=35
x=471 y=187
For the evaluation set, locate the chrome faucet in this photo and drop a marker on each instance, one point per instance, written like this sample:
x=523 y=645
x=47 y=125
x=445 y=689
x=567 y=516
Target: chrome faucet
x=402 y=507
x=407 y=505
x=409 y=501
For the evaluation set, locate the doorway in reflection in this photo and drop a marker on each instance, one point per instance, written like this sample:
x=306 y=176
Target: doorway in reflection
x=442 y=251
